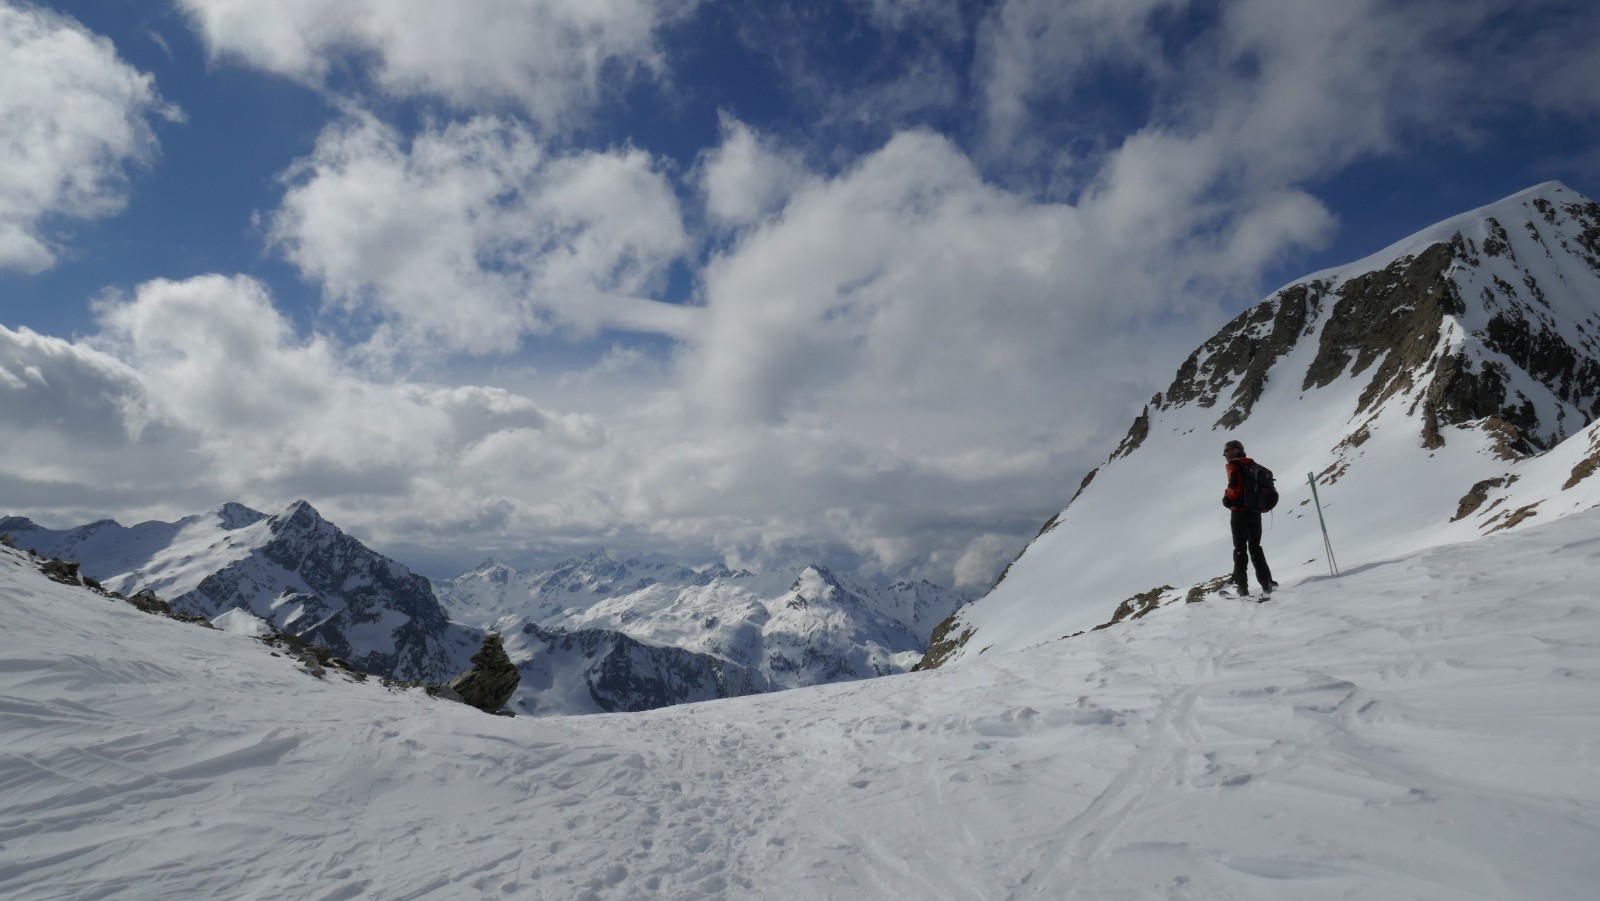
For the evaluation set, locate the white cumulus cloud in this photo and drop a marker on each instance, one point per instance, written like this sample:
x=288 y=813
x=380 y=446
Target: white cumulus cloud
x=198 y=391
x=74 y=118
x=745 y=178
x=472 y=236
x=554 y=58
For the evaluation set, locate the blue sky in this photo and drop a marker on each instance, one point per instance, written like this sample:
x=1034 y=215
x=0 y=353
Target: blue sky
x=874 y=280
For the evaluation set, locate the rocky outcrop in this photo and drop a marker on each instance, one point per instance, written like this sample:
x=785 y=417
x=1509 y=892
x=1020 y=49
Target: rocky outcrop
x=948 y=638
x=1237 y=359
x=63 y=571
x=492 y=680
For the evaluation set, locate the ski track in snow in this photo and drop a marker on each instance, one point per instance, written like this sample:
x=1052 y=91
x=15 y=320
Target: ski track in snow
x=1422 y=728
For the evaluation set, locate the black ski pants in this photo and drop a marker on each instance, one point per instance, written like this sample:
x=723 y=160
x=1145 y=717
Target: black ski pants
x=1247 y=548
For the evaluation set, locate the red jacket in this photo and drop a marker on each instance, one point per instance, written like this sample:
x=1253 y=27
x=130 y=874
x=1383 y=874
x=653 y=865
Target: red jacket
x=1230 y=497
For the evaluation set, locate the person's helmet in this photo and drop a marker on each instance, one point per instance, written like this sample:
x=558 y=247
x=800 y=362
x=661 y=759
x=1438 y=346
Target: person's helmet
x=1233 y=449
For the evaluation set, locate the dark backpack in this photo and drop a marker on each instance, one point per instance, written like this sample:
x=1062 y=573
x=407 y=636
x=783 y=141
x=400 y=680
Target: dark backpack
x=1257 y=490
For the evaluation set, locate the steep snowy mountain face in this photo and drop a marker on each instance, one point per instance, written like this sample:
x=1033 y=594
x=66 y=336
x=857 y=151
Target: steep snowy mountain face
x=1440 y=390
x=294 y=569
x=585 y=628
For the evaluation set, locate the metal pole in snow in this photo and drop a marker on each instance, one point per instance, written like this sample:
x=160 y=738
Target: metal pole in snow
x=1333 y=567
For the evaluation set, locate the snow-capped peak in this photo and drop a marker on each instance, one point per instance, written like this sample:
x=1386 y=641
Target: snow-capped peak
x=1525 y=205
x=292 y=569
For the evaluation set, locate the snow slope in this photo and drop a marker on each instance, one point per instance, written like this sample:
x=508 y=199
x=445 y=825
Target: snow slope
x=1463 y=361
x=1423 y=728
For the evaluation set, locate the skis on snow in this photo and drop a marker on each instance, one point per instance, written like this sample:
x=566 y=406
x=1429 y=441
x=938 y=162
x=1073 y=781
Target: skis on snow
x=1260 y=598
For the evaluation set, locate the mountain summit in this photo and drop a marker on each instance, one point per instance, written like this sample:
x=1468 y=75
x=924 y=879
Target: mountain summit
x=1441 y=389
x=294 y=569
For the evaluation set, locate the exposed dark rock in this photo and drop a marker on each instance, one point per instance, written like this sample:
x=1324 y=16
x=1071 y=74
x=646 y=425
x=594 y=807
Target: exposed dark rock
x=1498 y=243
x=1198 y=593
x=316 y=658
x=1540 y=351
x=1239 y=356
x=1389 y=319
x=1516 y=518
x=1508 y=441
x=68 y=572
x=1137 y=432
x=945 y=642
x=1589 y=237
x=1087 y=478
x=1474 y=498
x=1355 y=439
x=1457 y=393
x=1135 y=607
x=492 y=680
x=63 y=571
x=1584 y=468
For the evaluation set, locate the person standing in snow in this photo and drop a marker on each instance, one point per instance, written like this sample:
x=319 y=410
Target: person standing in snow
x=1246 y=523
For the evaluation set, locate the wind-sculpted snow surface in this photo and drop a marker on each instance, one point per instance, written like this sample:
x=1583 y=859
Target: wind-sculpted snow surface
x=1440 y=390
x=688 y=634
x=1422 y=729
x=294 y=570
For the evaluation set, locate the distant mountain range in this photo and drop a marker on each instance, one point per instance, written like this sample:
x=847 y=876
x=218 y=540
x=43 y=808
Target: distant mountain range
x=746 y=632
x=592 y=634
x=1440 y=390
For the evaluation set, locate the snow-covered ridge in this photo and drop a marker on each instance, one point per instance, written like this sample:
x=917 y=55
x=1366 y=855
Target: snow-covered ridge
x=294 y=570
x=1513 y=208
x=1439 y=391
x=1371 y=736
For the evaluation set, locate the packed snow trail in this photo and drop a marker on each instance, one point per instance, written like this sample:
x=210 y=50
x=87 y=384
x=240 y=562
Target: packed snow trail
x=1421 y=728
